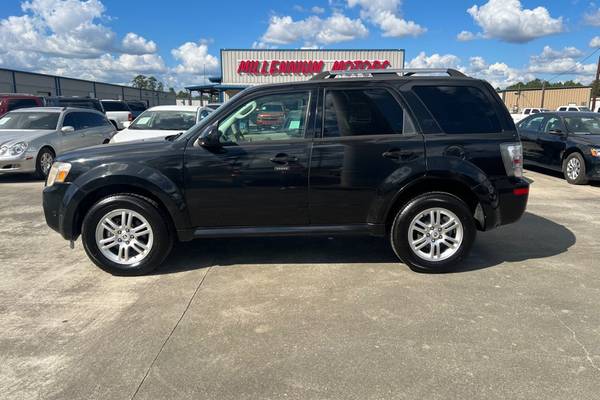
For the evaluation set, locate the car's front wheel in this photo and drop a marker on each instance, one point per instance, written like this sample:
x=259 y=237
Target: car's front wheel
x=126 y=234
x=574 y=169
x=433 y=232
x=43 y=162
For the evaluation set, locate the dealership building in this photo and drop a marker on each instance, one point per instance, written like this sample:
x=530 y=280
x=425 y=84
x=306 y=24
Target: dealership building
x=241 y=68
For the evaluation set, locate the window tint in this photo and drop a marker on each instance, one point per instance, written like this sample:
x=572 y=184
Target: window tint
x=136 y=106
x=94 y=105
x=83 y=120
x=363 y=112
x=552 y=124
x=115 y=106
x=527 y=111
x=573 y=109
x=261 y=120
x=460 y=109
x=562 y=109
x=15 y=104
x=532 y=124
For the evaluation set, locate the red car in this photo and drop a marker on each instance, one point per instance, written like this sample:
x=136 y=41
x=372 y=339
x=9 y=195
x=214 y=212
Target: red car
x=13 y=101
x=271 y=115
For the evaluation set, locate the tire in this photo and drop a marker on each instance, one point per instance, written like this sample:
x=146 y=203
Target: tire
x=158 y=241
x=574 y=169
x=43 y=162
x=416 y=214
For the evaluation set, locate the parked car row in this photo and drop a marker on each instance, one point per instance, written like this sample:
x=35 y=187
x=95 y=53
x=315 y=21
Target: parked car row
x=31 y=138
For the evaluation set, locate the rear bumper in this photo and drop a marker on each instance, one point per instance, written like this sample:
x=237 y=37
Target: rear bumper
x=507 y=203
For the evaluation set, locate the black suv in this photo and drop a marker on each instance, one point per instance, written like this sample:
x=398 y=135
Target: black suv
x=424 y=160
x=78 y=102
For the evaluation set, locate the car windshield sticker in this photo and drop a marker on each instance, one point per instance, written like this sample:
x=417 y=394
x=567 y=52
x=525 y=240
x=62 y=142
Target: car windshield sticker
x=143 y=121
x=295 y=125
x=4 y=120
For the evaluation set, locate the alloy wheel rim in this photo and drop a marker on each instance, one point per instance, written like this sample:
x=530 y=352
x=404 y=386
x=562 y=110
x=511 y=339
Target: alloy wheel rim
x=435 y=234
x=573 y=168
x=46 y=161
x=124 y=236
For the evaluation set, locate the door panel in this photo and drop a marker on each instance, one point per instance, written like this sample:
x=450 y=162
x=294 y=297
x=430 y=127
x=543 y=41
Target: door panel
x=259 y=176
x=529 y=133
x=552 y=146
x=368 y=146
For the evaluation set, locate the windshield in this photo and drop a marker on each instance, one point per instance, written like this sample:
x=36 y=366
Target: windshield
x=584 y=125
x=29 y=120
x=165 y=120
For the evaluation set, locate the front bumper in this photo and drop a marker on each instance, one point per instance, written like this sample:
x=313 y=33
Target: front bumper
x=55 y=201
x=21 y=164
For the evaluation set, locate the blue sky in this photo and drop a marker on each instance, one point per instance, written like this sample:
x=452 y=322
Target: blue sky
x=503 y=40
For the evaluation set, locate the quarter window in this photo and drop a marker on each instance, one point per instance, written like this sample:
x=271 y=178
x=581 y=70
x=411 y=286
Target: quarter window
x=267 y=118
x=532 y=124
x=460 y=109
x=363 y=112
x=553 y=124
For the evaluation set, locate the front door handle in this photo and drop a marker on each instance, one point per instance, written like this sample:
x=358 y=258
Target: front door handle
x=283 y=158
x=397 y=154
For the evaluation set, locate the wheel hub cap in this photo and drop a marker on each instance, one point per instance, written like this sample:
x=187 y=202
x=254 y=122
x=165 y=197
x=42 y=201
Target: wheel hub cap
x=573 y=168
x=435 y=234
x=124 y=236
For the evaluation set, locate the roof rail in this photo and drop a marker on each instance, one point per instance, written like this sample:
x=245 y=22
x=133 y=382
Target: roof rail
x=401 y=72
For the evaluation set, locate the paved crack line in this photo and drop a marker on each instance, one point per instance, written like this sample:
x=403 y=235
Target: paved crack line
x=170 y=333
x=574 y=335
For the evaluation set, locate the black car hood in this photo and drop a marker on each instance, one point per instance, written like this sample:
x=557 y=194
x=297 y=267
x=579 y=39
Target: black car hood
x=122 y=151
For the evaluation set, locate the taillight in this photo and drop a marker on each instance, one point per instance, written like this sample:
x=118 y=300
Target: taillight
x=130 y=117
x=512 y=156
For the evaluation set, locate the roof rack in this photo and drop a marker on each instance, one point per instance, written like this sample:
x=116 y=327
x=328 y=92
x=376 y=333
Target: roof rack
x=401 y=72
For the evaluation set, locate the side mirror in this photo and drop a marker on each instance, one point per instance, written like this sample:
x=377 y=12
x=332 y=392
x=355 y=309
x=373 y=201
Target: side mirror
x=211 y=136
x=67 y=129
x=557 y=132
x=126 y=124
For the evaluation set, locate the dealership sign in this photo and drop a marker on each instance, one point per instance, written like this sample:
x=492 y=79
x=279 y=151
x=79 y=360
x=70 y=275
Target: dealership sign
x=305 y=67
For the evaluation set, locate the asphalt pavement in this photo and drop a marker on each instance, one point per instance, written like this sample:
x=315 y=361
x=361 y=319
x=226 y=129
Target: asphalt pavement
x=306 y=318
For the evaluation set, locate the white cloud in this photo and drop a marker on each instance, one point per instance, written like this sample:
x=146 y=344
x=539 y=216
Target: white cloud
x=595 y=42
x=508 y=21
x=312 y=31
x=317 y=10
x=386 y=15
x=465 y=36
x=565 y=61
x=194 y=58
x=135 y=44
x=434 y=61
x=592 y=17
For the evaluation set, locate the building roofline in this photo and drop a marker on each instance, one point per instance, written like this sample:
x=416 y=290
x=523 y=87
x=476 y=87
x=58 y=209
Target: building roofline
x=548 y=88
x=324 y=50
x=77 y=79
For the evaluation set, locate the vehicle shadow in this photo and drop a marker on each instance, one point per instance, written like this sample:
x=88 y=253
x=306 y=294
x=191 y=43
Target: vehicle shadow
x=556 y=174
x=18 y=178
x=533 y=237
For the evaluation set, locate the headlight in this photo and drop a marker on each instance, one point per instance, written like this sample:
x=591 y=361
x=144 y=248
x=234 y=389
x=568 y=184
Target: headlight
x=596 y=152
x=17 y=149
x=58 y=173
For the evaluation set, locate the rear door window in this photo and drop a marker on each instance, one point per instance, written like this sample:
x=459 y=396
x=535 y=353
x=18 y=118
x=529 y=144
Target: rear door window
x=15 y=104
x=360 y=112
x=460 y=109
x=532 y=124
x=115 y=106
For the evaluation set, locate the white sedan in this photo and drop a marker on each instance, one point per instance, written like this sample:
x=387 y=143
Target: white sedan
x=160 y=122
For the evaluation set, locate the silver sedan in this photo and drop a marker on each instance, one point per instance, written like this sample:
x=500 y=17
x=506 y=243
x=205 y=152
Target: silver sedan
x=31 y=138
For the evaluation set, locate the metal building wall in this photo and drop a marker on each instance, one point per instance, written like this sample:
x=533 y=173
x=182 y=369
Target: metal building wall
x=12 y=81
x=230 y=59
x=553 y=98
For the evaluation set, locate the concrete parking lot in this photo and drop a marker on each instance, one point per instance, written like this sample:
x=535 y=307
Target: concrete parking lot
x=306 y=318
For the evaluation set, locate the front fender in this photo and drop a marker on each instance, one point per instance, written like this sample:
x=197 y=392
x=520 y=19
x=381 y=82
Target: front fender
x=140 y=176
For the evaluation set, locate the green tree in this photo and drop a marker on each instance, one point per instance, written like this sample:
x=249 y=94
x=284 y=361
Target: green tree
x=140 y=82
x=160 y=86
x=171 y=90
x=183 y=94
x=538 y=84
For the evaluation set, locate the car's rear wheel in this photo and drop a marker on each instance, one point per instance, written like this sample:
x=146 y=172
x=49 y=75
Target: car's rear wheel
x=574 y=169
x=126 y=234
x=43 y=162
x=434 y=232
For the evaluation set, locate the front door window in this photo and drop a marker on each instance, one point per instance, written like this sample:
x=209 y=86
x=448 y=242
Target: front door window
x=277 y=117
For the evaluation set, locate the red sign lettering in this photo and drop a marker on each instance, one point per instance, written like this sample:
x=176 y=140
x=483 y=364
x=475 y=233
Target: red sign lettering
x=306 y=67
